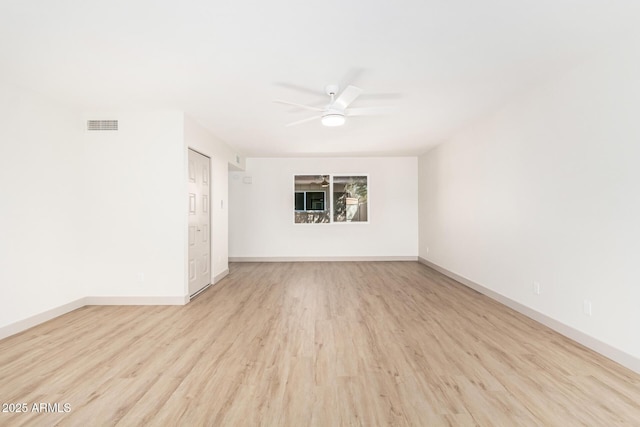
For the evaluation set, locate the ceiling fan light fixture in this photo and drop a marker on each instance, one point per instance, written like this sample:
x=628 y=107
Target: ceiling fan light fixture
x=333 y=119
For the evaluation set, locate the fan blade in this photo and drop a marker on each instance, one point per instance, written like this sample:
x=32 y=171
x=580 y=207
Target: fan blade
x=369 y=111
x=347 y=97
x=385 y=95
x=303 y=121
x=351 y=77
x=306 y=107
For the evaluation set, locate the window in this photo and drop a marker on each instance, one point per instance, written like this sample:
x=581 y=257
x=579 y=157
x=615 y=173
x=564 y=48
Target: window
x=350 y=199
x=314 y=195
x=311 y=203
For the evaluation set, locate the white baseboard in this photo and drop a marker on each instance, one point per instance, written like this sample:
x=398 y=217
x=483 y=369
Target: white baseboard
x=588 y=341
x=220 y=276
x=35 y=320
x=136 y=300
x=323 y=258
x=30 y=322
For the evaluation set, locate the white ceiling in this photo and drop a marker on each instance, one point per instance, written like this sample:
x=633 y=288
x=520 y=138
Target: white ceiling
x=441 y=64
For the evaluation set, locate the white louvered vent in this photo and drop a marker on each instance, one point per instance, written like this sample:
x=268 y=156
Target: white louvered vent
x=102 y=125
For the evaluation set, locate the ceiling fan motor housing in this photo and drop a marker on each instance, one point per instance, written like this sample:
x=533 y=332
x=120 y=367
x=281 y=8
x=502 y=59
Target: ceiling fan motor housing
x=332 y=90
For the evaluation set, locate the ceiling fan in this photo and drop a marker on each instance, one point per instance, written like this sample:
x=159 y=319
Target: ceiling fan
x=334 y=113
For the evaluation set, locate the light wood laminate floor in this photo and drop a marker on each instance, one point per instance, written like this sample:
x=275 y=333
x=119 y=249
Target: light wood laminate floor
x=314 y=344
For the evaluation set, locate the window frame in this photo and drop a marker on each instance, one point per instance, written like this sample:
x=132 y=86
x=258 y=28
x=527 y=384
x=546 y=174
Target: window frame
x=330 y=200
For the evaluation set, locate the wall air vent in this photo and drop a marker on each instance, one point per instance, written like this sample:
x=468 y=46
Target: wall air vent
x=102 y=125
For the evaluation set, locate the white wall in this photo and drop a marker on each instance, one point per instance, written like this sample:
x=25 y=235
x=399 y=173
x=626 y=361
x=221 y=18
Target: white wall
x=548 y=190
x=97 y=217
x=137 y=193
x=133 y=198
x=261 y=213
x=40 y=205
x=221 y=155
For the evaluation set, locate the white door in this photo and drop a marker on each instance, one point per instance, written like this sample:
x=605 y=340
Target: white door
x=199 y=220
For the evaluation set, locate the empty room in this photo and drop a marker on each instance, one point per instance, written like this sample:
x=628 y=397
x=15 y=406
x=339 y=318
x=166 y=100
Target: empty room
x=319 y=214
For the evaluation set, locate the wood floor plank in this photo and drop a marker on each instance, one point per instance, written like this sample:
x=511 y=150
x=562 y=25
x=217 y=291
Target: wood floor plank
x=314 y=344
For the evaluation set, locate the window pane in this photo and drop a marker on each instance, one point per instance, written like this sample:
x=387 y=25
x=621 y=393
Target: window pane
x=350 y=199
x=299 y=201
x=311 y=193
